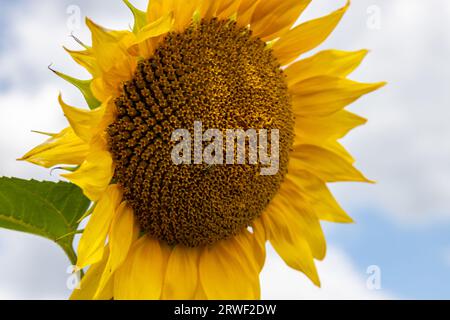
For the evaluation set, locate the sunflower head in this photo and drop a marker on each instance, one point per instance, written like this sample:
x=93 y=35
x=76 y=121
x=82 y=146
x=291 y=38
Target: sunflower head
x=165 y=229
x=216 y=73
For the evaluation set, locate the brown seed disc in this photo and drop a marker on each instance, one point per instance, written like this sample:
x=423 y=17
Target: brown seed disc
x=217 y=73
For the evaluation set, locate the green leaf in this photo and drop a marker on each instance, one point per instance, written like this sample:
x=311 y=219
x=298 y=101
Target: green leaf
x=48 y=209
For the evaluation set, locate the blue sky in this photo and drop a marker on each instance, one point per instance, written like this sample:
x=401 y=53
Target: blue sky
x=412 y=261
x=403 y=222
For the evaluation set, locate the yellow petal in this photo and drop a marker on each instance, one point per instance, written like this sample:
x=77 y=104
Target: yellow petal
x=86 y=59
x=208 y=9
x=292 y=248
x=324 y=164
x=183 y=12
x=200 y=293
x=227 y=8
x=124 y=231
x=158 y=8
x=250 y=243
x=109 y=84
x=62 y=148
x=258 y=239
x=319 y=197
x=148 y=38
x=89 y=283
x=156 y=28
x=228 y=271
x=108 y=46
x=99 y=141
x=103 y=35
x=115 y=65
x=245 y=12
x=99 y=89
x=301 y=218
x=181 y=278
x=141 y=276
x=324 y=95
x=94 y=175
x=306 y=36
x=338 y=148
x=319 y=130
x=273 y=18
x=330 y=62
x=83 y=122
x=92 y=242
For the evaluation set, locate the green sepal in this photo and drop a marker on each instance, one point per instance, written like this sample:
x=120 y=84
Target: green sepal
x=197 y=17
x=84 y=86
x=140 y=17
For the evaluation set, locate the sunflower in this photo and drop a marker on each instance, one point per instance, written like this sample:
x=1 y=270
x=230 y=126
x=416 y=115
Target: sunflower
x=163 y=231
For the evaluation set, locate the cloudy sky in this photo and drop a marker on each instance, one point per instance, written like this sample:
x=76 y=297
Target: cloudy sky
x=403 y=222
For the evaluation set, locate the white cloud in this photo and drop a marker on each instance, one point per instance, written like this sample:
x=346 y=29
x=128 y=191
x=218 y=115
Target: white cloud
x=340 y=280
x=32 y=268
x=20 y=113
x=405 y=144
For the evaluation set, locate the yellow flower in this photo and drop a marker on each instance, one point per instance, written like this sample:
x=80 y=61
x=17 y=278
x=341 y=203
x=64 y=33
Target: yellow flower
x=163 y=231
